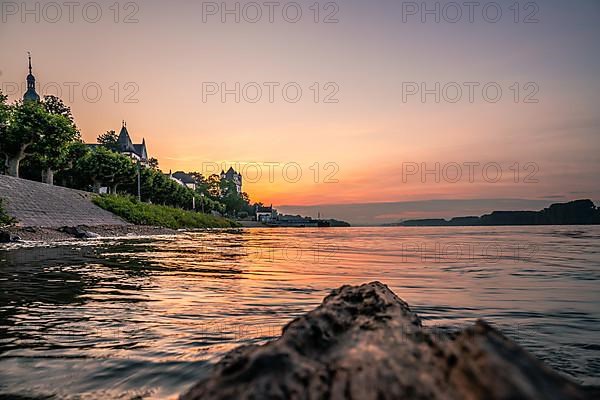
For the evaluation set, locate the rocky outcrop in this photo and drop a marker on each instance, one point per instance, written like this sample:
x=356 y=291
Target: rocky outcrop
x=79 y=232
x=364 y=343
x=8 y=237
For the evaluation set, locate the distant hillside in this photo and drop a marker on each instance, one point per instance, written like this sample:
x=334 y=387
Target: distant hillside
x=578 y=212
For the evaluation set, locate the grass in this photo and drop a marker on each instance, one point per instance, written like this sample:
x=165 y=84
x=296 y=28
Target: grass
x=139 y=213
x=5 y=219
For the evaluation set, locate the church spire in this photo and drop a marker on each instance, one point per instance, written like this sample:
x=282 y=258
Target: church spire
x=31 y=94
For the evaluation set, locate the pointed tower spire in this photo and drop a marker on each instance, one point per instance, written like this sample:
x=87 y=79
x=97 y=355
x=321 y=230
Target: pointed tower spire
x=31 y=94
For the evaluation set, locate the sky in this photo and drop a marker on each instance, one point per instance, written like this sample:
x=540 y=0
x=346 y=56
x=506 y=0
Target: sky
x=335 y=106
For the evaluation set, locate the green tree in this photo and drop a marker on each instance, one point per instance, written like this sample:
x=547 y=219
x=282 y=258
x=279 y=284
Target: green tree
x=102 y=167
x=4 y=121
x=52 y=151
x=214 y=186
x=27 y=123
x=71 y=176
x=153 y=163
x=109 y=140
x=54 y=105
x=37 y=129
x=209 y=205
x=230 y=197
x=158 y=188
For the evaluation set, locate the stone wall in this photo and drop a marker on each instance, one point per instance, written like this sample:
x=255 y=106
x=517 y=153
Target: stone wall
x=38 y=204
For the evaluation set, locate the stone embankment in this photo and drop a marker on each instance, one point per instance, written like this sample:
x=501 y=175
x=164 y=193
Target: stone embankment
x=41 y=205
x=365 y=343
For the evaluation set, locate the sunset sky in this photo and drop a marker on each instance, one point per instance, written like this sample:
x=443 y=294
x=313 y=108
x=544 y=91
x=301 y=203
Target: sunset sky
x=156 y=74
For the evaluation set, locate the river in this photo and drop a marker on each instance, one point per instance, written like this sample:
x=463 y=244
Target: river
x=146 y=317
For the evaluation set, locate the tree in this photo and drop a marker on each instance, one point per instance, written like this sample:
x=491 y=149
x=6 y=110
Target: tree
x=70 y=175
x=198 y=177
x=234 y=202
x=54 y=105
x=101 y=167
x=153 y=163
x=202 y=185
x=36 y=128
x=4 y=121
x=210 y=205
x=158 y=188
x=110 y=140
x=214 y=186
x=27 y=123
x=53 y=148
x=230 y=197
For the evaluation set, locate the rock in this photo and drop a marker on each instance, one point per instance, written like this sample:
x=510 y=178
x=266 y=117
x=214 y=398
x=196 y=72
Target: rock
x=90 y=235
x=8 y=237
x=365 y=343
x=78 y=232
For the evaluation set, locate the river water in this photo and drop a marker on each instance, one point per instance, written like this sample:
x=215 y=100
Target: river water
x=145 y=317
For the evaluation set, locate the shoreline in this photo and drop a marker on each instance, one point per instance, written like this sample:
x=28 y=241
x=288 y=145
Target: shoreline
x=17 y=234
x=22 y=234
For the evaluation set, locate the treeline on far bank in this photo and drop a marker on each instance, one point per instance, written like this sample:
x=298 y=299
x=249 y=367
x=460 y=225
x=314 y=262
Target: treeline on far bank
x=40 y=141
x=578 y=212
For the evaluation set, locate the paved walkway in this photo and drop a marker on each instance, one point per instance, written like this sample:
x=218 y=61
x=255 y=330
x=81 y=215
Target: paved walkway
x=38 y=204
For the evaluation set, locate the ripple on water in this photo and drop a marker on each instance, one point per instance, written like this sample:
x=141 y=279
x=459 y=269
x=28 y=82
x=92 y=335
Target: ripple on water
x=146 y=317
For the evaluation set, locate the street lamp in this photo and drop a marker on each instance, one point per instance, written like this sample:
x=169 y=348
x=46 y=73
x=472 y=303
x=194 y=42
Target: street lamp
x=202 y=199
x=139 y=182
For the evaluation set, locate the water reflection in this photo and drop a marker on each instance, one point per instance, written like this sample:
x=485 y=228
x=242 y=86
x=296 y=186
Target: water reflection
x=145 y=317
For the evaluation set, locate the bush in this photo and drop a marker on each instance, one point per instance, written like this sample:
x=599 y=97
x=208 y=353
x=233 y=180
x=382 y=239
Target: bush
x=5 y=219
x=149 y=214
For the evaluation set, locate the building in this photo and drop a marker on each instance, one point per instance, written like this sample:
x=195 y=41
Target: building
x=266 y=214
x=30 y=94
x=174 y=179
x=124 y=142
x=232 y=176
x=185 y=179
x=126 y=146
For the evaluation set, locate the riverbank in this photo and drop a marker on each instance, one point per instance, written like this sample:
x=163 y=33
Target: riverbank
x=578 y=212
x=41 y=234
x=34 y=211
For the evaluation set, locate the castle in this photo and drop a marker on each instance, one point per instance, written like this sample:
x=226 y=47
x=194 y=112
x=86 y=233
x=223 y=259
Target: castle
x=232 y=176
x=125 y=146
